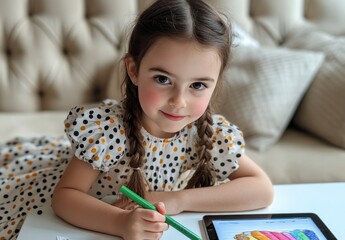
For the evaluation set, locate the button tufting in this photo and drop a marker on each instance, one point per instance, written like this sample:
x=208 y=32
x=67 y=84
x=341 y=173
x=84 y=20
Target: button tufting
x=65 y=51
x=41 y=93
x=8 y=52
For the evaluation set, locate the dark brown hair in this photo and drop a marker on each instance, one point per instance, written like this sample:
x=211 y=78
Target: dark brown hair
x=188 y=19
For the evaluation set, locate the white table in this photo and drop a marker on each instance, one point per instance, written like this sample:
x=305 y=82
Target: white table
x=325 y=199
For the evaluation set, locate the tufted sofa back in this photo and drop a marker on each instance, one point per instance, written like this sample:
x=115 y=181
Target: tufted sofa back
x=57 y=54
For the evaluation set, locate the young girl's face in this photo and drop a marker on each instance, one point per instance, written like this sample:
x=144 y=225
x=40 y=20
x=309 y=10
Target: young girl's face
x=175 y=81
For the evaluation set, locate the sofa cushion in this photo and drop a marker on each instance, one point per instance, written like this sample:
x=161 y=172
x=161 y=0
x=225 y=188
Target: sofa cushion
x=262 y=89
x=322 y=111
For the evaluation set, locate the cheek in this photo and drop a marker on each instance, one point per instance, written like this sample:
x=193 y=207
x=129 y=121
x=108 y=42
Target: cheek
x=199 y=107
x=149 y=97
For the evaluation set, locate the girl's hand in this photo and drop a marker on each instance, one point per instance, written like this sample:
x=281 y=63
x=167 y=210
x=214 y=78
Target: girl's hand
x=144 y=224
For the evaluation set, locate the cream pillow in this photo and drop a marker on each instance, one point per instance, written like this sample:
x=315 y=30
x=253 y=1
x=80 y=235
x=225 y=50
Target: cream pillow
x=262 y=89
x=322 y=111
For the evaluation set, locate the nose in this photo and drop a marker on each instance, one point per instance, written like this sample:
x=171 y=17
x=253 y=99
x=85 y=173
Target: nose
x=177 y=100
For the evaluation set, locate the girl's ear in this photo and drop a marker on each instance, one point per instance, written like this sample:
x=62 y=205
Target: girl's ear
x=131 y=69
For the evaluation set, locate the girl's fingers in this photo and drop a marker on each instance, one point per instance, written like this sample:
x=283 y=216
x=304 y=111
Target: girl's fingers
x=160 y=208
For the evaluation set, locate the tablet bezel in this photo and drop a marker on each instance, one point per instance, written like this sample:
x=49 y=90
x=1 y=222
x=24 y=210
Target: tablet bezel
x=211 y=233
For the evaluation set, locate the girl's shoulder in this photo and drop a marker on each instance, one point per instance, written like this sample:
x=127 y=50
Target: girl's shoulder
x=97 y=111
x=94 y=129
x=223 y=127
x=227 y=137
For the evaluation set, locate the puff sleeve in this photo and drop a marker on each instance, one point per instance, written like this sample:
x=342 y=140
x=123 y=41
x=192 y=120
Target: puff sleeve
x=228 y=147
x=96 y=133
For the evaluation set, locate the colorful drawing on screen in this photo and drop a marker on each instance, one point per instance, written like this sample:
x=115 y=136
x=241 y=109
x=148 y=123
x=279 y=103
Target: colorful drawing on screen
x=296 y=234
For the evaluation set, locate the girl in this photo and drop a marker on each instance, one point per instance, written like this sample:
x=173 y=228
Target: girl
x=160 y=140
x=162 y=128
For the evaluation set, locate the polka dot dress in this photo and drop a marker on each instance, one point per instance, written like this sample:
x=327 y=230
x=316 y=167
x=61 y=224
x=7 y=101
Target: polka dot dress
x=31 y=168
x=29 y=171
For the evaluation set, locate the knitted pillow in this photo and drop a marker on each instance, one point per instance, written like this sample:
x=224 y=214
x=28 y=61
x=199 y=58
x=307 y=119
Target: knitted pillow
x=262 y=89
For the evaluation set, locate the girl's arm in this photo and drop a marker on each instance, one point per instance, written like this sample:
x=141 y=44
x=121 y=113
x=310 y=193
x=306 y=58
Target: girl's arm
x=250 y=188
x=72 y=203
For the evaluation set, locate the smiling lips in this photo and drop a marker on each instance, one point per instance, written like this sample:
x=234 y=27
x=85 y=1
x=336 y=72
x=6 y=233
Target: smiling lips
x=173 y=117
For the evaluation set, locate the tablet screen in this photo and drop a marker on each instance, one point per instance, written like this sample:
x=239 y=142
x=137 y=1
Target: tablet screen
x=266 y=226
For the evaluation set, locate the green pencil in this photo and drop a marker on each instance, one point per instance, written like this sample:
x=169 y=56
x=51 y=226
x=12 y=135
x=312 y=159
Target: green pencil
x=169 y=220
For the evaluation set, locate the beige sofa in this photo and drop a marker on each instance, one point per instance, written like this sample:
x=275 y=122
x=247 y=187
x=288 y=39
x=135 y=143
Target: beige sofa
x=57 y=54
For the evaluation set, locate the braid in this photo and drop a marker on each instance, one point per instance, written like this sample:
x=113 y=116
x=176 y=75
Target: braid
x=135 y=138
x=202 y=176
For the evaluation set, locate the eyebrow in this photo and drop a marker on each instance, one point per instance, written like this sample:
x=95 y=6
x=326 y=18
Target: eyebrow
x=202 y=79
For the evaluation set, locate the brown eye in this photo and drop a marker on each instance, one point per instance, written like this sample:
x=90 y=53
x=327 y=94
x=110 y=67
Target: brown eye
x=162 y=79
x=198 y=86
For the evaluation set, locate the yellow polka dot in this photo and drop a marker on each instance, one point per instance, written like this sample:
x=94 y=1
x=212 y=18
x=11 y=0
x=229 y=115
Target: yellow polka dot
x=161 y=161
x=102 y=140
x=67 y=125
x=166 y=140
x=163 y=185
x=107 y=157
x=182 y=158
x=220 y=118
x=175 y=149
x=9 y=231
x=58 y=155
x=10 y=175
x=27 y=176
x=111 y=120
x=96 y=158
x=226 y=123
x=91 y=140
x=231 y=145
x=229 y=138
x=154 y=149
x=100 y=129
x=20 y=147
x=144 y=143
x=119 y=149
x=169 y=186
x=93 y=150
x=7 y=187
x=98 y=123
x=18 y=180
x=122 y=132
x=82 y=128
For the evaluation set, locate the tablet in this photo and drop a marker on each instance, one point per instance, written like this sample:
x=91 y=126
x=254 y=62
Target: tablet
x=286 y=226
